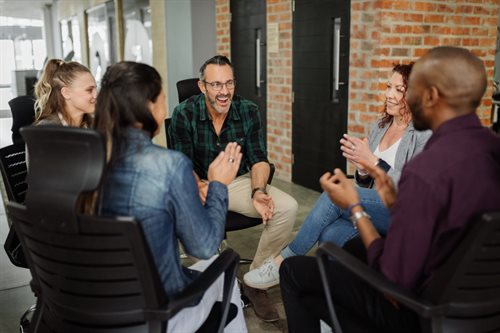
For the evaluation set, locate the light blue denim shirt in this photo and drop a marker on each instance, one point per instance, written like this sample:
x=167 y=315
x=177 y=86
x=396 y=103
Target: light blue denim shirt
x=157 y=187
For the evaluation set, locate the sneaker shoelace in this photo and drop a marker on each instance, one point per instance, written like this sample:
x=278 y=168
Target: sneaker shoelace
x=266 y=269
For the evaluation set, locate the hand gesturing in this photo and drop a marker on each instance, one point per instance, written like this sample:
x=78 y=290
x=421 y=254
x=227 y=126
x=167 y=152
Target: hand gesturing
x=264 y=205
x=226 y=165
x=357 y=151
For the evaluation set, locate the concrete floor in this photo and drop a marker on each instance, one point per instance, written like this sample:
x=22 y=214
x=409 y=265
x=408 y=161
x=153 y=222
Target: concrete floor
x=16 y=296
x=245 y=243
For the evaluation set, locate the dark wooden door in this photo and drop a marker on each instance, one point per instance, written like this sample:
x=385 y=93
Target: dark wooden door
x=248 y=51
x=320 y=85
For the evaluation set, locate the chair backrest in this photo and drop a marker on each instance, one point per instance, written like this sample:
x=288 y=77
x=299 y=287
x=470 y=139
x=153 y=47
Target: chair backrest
x=23 y=114
x=103 y=275
x=64 y=163
x=14 y=171
x=167 y=132
x=187 y=88
x=470 y=278
x=91 y=274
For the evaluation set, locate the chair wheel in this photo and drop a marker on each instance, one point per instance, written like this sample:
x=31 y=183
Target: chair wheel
x=24 y=323
x=245 y=301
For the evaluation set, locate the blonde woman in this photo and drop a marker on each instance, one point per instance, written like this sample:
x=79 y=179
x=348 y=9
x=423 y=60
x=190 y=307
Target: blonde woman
x=66 y=95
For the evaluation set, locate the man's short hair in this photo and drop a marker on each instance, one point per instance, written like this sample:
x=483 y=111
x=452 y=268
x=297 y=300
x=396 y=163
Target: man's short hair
x=219 y=60
x=458 y=74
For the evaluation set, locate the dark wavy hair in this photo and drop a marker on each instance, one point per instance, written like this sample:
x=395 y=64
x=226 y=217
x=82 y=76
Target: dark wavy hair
x=127 y=88
x=404 y=70
x=219 y=60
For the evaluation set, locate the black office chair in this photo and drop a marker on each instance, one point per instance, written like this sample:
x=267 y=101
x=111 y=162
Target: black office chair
x=23 y=114
x=95 y=274
x=464 y=293
x=496 y=108
x=13 y=169
x=234 y=221
x=187 y=88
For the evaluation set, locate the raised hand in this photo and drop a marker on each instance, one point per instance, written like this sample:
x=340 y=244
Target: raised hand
x=226 y=165
x=340 y=189
x=357 y=151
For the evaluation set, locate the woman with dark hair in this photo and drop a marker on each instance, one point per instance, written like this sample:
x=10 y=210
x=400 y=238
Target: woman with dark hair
x=157 y=186
x=65 y=95
x=392 y=142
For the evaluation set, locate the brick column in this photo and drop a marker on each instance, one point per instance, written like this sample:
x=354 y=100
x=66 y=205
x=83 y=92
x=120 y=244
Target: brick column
x=223 y=27
x=279 y=90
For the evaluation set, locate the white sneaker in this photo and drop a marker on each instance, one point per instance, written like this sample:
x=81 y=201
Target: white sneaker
x=263 y=277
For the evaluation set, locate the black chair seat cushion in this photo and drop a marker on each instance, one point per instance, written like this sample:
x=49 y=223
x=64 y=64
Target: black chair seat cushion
x=236 y=221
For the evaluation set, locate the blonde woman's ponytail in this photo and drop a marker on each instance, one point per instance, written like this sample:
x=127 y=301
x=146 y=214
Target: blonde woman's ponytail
x=44 y=87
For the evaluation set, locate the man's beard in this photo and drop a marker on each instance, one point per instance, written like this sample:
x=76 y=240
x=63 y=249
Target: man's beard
x=214 y=104
x=418 y=121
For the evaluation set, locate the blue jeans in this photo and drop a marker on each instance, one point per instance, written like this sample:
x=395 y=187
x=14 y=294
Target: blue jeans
x=327 y=222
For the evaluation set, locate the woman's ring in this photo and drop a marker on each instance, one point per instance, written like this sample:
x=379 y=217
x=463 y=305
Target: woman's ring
x=231 y=160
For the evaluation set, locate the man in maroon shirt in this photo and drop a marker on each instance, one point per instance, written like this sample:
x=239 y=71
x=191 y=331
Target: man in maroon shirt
x=441 y=191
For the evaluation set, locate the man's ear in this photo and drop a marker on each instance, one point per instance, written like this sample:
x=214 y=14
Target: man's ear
x=65 y=92
x=202 y=87
x=431 y=96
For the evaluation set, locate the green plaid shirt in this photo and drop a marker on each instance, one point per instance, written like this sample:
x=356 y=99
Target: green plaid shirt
x=191 y=132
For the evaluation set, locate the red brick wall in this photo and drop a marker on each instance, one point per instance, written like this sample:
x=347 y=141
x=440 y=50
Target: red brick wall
x=279 y=80
x=387 y=32
x=223 y=28
x=383 y=32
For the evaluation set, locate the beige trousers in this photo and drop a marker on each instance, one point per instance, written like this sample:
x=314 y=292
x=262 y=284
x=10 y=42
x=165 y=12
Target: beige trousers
x=278 y=229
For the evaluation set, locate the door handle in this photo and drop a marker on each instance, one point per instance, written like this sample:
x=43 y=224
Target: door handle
x=336 y=59
x=257 y=58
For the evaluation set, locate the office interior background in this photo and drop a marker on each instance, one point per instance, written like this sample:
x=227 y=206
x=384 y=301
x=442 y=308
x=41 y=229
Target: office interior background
x=316 y=68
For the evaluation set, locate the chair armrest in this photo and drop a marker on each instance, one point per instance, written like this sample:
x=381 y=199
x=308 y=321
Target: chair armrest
x=375 y=279
x=227 y=262
x=272 y=168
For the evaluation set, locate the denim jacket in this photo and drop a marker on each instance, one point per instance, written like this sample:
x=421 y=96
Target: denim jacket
x=157 y=187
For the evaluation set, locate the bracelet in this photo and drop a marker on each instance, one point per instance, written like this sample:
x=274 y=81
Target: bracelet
x=262 y=189
x=362 y=173
x=349 y=209
x=356 y=216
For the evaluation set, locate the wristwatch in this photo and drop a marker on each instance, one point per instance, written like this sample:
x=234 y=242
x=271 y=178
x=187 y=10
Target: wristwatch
x=262 y=189
x=356 y=216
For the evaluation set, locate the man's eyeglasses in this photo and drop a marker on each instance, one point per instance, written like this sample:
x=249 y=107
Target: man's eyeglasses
x=217 y=86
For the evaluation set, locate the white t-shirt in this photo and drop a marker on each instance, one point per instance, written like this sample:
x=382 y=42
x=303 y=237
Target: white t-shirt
x=388 y=155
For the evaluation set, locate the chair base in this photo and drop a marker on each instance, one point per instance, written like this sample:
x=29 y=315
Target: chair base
x=245 y=261
x=223 y=246
x=25 y=322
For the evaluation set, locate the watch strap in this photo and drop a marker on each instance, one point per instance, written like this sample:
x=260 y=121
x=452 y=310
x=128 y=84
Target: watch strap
x=356 y=216
x=262 y=189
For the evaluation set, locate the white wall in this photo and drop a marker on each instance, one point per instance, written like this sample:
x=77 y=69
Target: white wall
x=191 y=40
x=204 y=32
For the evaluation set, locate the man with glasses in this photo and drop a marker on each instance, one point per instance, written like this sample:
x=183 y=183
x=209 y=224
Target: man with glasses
x=201 y=127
